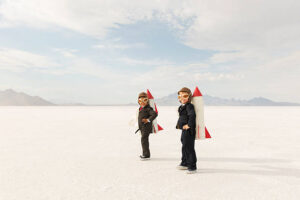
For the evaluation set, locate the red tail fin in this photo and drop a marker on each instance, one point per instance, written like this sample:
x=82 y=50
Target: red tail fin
x=159 y=127
x=207 y=135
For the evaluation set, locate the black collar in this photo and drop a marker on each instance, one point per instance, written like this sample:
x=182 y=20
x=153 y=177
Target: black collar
x=144 y=107
x=183 y=107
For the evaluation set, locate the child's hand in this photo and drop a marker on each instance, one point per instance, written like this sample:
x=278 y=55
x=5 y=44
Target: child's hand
x=186 y=127
x=145 y=121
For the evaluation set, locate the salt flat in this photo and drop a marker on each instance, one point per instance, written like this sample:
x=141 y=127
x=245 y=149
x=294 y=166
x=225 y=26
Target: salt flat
x=89 y=153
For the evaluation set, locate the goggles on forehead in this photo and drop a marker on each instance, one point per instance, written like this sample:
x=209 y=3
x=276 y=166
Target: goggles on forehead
x=183 y=96
x=143 y=100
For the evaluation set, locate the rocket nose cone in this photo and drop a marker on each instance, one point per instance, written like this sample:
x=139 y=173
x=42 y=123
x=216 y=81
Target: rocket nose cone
x=197 y=92
x=149 y=94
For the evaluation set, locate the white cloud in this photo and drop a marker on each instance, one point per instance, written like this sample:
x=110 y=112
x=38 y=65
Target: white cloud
x=154 y=62
x=208 y=76
x=217 y=25
x=18 y=60
x=285 y=63
x=241 y=25
x=277 y=79
x=15 y=60
x=68 y=53
x=119 y=46
x=91 y=17
x=86 y=66
x=224 y=57
x=181 y=74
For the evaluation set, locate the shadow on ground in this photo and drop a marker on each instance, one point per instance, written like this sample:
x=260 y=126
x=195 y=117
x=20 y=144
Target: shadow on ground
x=265 y=171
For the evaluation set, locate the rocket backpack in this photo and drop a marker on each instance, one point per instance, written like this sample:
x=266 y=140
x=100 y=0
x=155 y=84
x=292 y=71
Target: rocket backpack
x=201 y=130
x=155 y=126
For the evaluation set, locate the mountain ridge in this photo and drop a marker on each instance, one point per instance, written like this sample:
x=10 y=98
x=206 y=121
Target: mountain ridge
x=172 y=100
x=10 y=97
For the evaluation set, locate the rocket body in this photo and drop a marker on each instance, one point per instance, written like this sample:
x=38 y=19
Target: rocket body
x=155 y=127
x=197 y=101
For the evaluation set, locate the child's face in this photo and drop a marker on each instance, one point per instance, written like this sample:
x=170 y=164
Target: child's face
x=183 y=97
x=143 y=101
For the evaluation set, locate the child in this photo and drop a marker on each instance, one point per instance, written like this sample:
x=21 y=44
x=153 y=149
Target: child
x=187 y=122
x=145 y=118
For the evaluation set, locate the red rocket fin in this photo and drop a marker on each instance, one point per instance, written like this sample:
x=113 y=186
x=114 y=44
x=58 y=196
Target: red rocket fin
x=156 y=108
x=197 y=92
x=207 y=135
x=159 y=127
x=154 y=129
x=149 y=95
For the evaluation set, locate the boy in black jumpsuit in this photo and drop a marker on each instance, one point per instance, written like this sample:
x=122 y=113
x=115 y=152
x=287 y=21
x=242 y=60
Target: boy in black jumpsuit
x=145 y=118
x=187 y=122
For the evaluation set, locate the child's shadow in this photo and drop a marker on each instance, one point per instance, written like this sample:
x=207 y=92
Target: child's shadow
x=265 y=171
x=228 y=159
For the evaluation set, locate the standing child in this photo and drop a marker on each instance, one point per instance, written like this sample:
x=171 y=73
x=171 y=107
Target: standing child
x=145 y=118
x=187 y=122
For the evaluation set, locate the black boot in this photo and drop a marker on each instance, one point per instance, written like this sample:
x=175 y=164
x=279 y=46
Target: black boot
x=145 y=157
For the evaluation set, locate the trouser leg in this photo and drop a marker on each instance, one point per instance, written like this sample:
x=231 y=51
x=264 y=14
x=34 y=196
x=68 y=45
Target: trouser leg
x=192 y=159
x=145 y=144
x=189 y=152
x=183 y=150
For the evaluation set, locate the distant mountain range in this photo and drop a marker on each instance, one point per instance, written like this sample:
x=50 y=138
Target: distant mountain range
x=171 y=100
x=12 y=98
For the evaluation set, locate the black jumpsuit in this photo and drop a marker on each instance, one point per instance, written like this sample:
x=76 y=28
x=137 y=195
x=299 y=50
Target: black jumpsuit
x=146 y=113
x=187 y=116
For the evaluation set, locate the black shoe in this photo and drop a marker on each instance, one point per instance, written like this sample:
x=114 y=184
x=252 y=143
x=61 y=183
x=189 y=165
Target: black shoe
x=182 y=167
x=145 y=157
x=191 y=171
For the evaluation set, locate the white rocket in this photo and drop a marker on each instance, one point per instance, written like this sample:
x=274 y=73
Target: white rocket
x=156 y=127
x=197 y=101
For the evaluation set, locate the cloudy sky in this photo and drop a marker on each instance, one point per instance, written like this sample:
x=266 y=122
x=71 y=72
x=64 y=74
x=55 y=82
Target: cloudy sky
x=96 y=51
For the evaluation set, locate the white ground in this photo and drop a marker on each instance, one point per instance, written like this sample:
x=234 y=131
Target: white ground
x=78 y=153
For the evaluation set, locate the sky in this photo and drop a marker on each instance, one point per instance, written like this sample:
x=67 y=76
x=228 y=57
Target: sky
x=106 y=52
